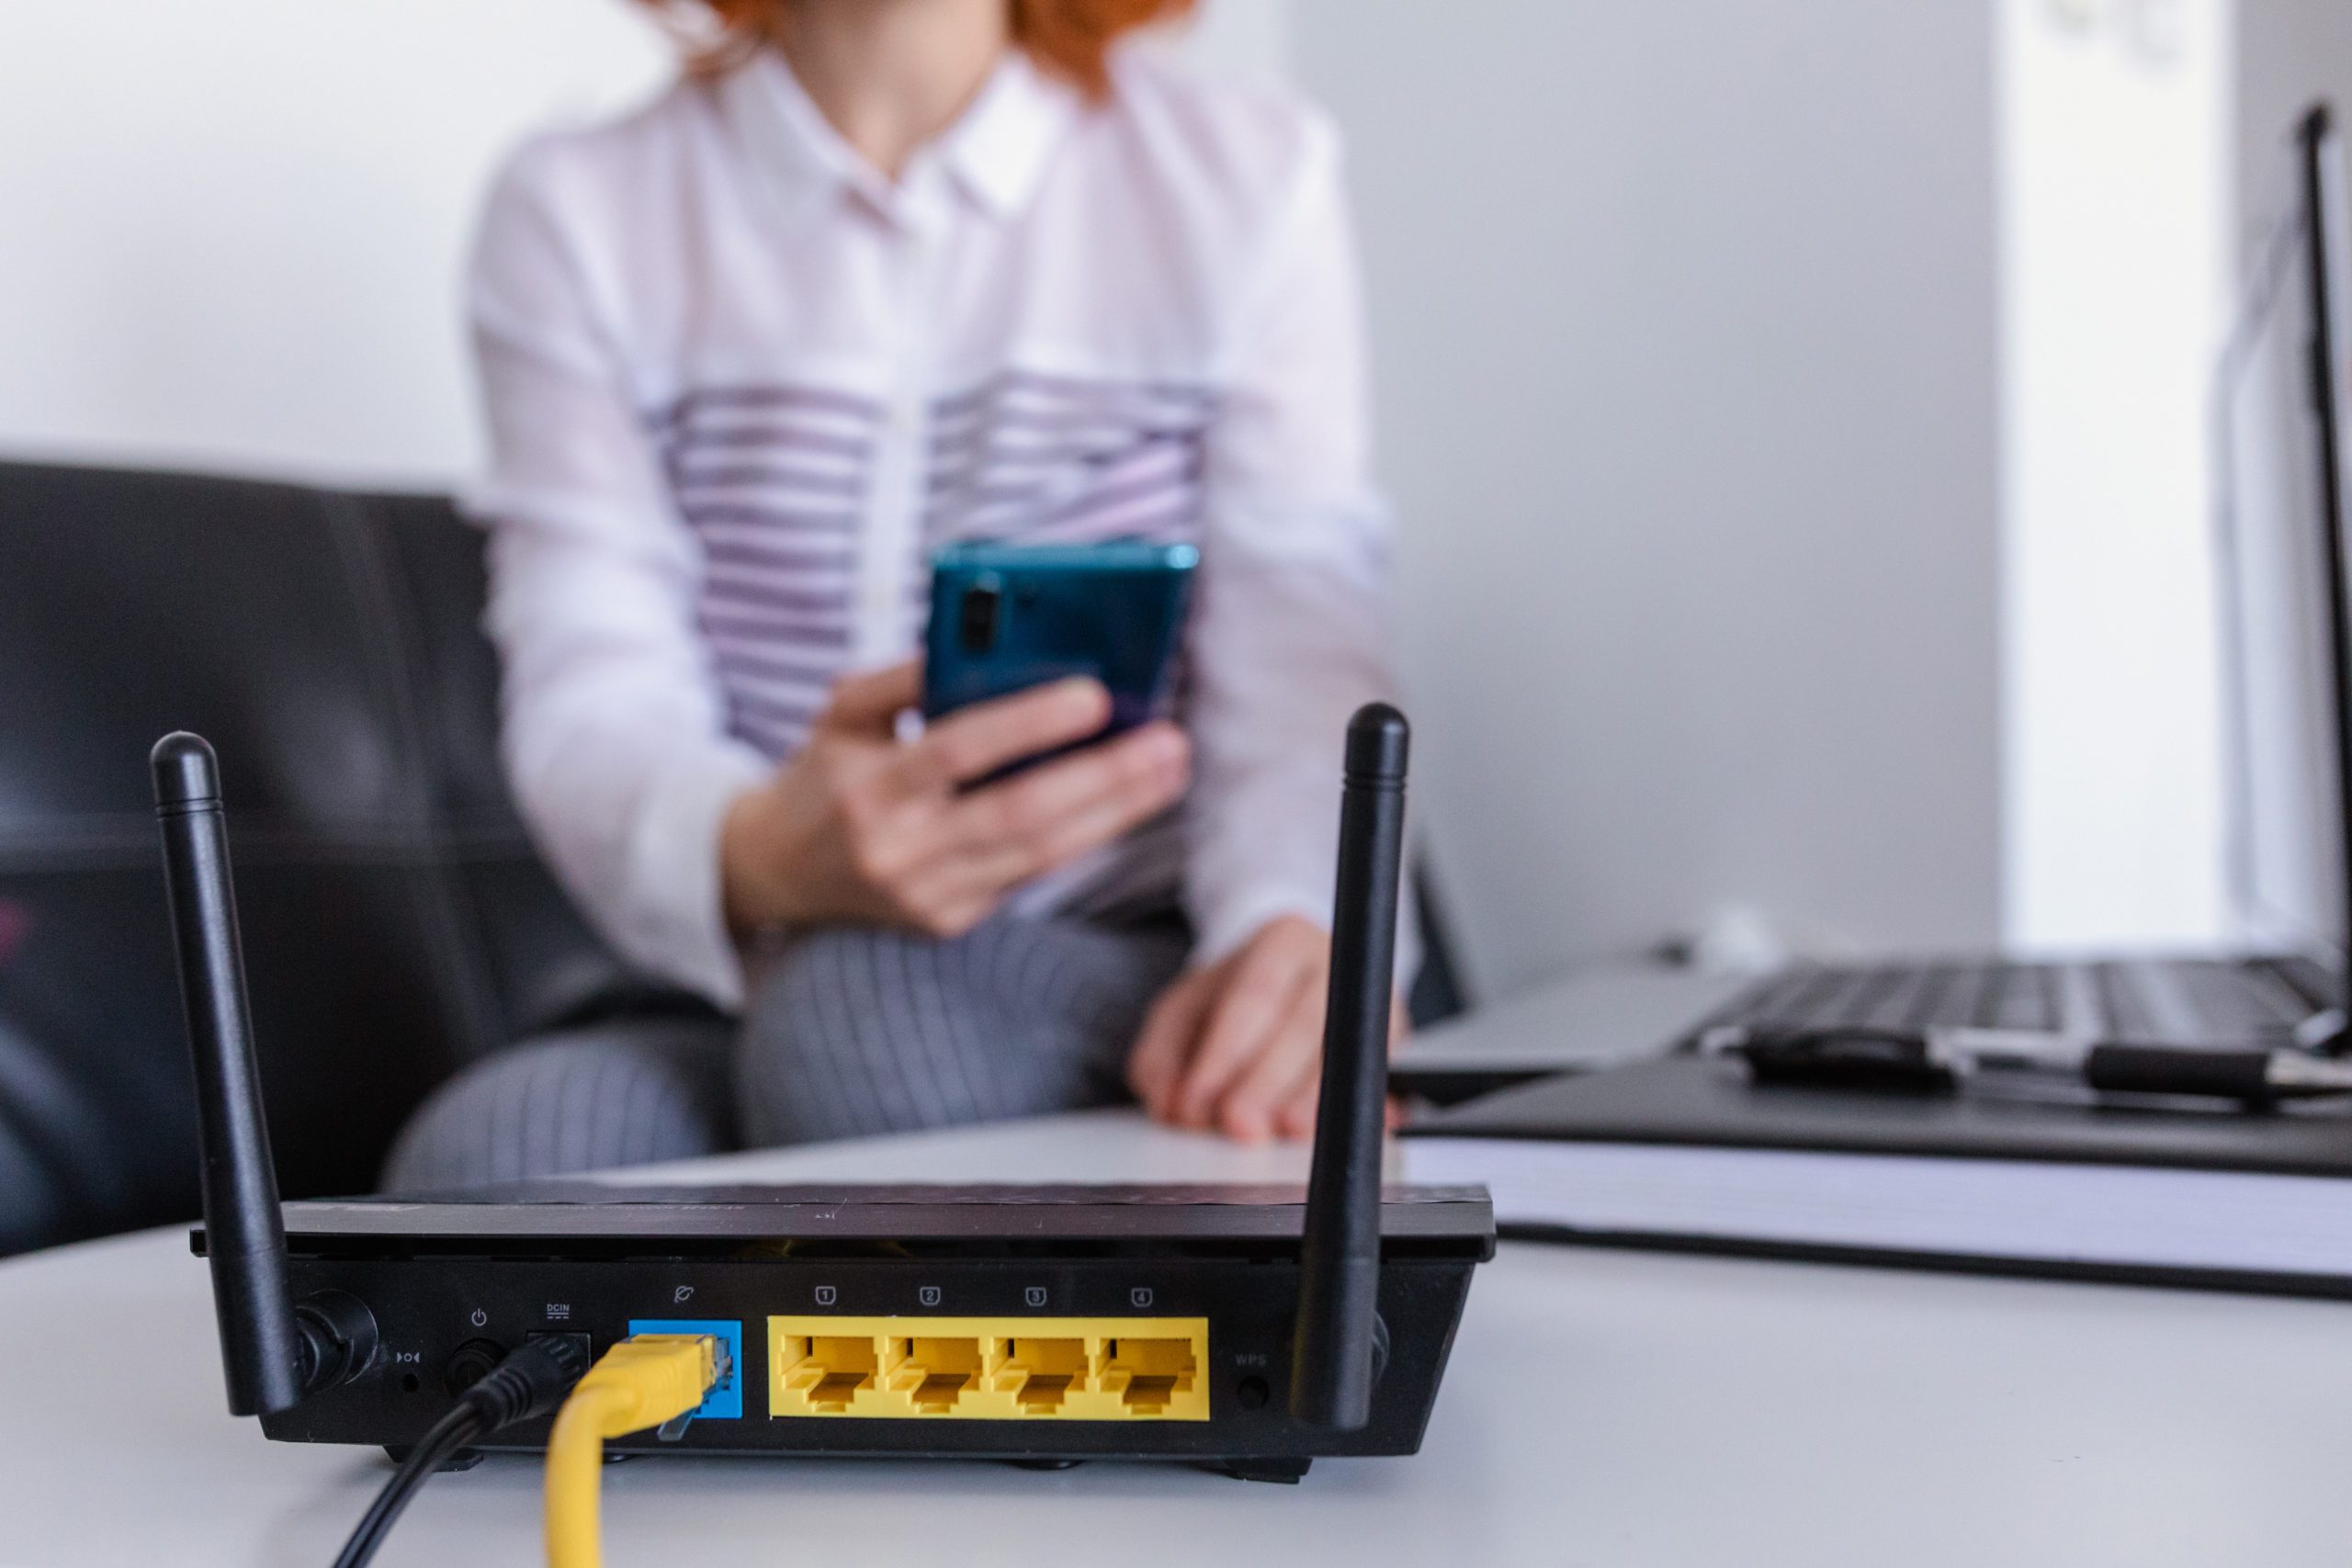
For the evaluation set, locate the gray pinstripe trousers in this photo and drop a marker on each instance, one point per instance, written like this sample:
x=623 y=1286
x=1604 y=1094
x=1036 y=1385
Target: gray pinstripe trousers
x=853 y=1031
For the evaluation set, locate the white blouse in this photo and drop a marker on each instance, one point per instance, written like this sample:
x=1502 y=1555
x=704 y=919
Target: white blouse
x=740 y=386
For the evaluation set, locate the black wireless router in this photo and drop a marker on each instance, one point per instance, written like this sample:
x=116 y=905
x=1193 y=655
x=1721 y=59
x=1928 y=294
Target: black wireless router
x=1249 y=1328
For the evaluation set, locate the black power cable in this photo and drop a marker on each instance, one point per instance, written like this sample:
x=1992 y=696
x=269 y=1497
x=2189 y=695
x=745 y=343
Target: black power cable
x=452 y=1432
x=529 y=1381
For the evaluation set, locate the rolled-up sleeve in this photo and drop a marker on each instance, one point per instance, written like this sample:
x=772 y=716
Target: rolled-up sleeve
x=1291 y=632
x=614 y=733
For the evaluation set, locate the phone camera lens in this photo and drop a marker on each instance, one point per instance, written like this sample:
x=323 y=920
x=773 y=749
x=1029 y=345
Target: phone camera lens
x=982 y=611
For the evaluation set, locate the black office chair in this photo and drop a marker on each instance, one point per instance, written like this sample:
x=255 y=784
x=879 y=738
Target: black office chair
x=400 y=921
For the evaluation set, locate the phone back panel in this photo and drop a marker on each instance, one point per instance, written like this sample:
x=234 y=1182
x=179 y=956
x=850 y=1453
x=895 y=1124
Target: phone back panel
x=1006 y=618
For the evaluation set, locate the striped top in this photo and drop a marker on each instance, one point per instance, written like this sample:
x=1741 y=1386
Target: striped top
x=770 y=481
x=741 y=388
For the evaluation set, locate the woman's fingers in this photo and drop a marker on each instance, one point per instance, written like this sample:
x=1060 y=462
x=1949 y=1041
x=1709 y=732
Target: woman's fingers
x=1059 y=810
x=1288 y=1066
x=981 y=846
x=1156 y=1063
x=1296 y=1116
x=975 y=742
x=869 y=702
x=1086 y=801
x=911 y=846
x=1239 y=1046
x=1258 y=995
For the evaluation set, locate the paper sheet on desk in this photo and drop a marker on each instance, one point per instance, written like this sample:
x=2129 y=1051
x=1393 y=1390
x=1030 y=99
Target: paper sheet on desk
x=2125 y=1218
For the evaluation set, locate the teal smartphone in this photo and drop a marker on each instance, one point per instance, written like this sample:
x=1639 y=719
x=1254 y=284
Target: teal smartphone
x=1007 y=618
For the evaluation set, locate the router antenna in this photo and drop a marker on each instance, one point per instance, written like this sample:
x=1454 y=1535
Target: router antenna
x=1332 y=1345
x=244 y=1234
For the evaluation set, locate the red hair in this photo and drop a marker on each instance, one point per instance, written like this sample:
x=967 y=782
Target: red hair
x=1070 y=38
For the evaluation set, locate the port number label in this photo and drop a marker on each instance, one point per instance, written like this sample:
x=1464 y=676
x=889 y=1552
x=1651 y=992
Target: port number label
x=927 y=1295
x=1140 y=1297
x=827 y=1295
x=1034 y=1295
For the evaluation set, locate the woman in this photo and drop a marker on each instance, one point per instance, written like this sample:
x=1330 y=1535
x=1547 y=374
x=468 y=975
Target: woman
x=883 y=274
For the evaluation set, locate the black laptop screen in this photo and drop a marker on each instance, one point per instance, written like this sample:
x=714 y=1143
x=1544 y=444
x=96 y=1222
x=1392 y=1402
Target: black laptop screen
x=2280 y=512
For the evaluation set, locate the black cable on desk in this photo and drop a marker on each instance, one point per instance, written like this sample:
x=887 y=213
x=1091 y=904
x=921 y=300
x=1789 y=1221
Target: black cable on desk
x=529 y=1381
x=450 y=1434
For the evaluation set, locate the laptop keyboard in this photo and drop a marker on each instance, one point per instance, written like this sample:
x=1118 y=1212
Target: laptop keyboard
x=2168 y=1000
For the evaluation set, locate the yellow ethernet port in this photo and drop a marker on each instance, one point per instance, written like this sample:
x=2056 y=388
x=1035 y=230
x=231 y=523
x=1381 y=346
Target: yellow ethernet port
x=932 y=1370
x=822 y=1373
x=1039 y=1370
x=990 y=1369
x=1148 y=1375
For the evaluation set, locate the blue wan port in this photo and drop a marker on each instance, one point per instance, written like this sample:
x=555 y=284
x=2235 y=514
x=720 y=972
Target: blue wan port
x=725 y=1400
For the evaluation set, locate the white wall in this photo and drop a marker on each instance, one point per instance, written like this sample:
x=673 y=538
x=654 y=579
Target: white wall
x=235 y=227
x=2115 y=294
x=1684 y=319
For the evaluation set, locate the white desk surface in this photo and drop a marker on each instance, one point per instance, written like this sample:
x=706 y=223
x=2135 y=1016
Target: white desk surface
x=1602 y=1408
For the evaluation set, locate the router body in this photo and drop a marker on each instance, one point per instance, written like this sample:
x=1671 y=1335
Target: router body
x=1029 y=1323
x=1252 y=1329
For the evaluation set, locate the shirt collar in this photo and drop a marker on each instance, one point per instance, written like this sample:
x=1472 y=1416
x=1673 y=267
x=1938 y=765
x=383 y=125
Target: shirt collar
x=997 y=151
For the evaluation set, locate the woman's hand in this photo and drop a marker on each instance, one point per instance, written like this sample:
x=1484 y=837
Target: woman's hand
x=1238 y=1045
x=861 y=827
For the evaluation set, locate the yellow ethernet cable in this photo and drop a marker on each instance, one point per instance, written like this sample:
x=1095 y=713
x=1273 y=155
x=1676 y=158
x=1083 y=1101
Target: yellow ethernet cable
x=646 y=1381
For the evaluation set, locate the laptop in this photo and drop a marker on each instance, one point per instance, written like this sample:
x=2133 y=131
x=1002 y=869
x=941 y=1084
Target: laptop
x=2283 y=409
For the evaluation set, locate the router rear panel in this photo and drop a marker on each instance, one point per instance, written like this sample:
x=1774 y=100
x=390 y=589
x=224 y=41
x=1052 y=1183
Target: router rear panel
x=1166 y=1334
